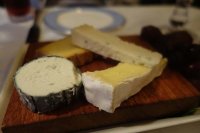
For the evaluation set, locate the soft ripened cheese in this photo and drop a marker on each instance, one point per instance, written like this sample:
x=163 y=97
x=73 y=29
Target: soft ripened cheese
x=47 y=83
x=47 y=75
x=64 y=48
x=113 y=47
x=107 y=89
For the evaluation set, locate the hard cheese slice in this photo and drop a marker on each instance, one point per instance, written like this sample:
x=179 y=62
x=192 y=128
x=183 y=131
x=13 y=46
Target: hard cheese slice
x=106 y=89
x=111 y=46
x=65 y=48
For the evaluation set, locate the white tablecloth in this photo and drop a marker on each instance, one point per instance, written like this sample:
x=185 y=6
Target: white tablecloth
x=12 y=36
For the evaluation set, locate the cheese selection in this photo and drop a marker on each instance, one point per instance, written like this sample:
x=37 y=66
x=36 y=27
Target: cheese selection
x=65 y=48
x=107 y=89
x=107 y=45
x=52 y=81
x=47 y=83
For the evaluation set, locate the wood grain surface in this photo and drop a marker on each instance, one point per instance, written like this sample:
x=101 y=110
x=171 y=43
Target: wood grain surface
x=166 y=96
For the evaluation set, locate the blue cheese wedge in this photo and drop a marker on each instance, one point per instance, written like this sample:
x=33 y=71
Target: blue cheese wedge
x=107 y=89
x=47 y=83
x=107 y=45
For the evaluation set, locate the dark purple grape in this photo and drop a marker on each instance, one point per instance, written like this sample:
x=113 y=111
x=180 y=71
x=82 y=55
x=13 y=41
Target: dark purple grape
x=176 y=41
x=192 y=70
x=193 y=53
x=177 y=59
x=151 y=34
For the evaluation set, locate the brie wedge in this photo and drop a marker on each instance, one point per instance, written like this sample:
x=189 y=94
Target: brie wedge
x=107 y=89
x=113 y=47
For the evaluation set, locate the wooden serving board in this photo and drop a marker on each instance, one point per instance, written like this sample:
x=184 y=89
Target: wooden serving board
x=165 y=96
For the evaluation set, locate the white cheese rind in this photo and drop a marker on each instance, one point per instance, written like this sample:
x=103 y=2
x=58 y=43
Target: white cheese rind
x=97 y=92
x=113 y=47
x=107 y=97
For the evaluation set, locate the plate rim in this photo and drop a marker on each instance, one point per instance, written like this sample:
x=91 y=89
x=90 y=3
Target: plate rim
x=118 y=19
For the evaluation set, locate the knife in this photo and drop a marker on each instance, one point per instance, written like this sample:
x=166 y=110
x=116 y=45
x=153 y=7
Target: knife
x=34 y=32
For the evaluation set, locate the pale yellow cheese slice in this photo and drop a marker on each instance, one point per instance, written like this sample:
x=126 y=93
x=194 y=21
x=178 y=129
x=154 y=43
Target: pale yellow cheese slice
x=65 y=48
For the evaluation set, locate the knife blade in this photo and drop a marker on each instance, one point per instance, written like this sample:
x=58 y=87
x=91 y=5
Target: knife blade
x=34 y=32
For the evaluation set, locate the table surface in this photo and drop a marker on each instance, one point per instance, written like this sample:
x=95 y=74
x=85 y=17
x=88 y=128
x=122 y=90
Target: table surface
x=12 y=38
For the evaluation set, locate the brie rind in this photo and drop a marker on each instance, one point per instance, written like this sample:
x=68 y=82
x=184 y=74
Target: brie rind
x=107 y=89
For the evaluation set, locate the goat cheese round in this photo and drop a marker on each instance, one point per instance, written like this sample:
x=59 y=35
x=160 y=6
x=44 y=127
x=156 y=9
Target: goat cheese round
x=47 y=83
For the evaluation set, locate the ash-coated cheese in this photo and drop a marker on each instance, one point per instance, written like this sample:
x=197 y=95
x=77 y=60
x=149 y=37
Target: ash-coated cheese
x=46 y=83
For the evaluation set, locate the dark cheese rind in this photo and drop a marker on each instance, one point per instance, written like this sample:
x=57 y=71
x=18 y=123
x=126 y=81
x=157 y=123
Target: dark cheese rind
x=50 y=102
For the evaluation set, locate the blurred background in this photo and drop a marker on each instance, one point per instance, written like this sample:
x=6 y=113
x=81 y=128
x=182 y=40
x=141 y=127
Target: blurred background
x=195 y=3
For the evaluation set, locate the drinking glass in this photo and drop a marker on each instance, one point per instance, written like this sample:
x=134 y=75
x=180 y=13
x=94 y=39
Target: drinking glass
x=179 y=16
x=18 y=10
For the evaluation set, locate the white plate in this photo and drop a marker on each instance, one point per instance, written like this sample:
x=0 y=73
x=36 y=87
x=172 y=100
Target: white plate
x=65 y=19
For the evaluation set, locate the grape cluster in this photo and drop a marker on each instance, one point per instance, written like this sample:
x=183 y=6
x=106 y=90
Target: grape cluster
x=178 y=47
